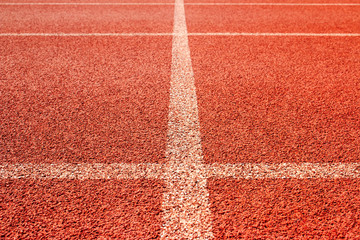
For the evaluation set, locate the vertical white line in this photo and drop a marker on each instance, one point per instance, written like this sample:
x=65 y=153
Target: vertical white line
x=186 y=212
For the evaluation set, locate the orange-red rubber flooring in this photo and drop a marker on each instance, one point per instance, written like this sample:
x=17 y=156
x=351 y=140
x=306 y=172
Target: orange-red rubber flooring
x=105 y=99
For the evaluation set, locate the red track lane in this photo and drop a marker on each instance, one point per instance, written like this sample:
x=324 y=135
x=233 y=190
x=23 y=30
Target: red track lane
x=285 y=209
x=91 y=99
x=278 y=99
x=308 y=19
x=86 y=19
x=73 y=209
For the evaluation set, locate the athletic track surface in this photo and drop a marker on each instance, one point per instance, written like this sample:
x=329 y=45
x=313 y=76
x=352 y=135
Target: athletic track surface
x=173 y=119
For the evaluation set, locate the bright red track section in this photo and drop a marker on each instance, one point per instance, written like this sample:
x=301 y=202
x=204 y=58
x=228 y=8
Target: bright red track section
x=74 y=209
x=278 y=99
x=309 y=19
x=86 y=19
x=91 y=99
x=285 y=208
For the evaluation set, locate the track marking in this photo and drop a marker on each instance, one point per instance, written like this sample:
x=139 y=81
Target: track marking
x=197 y=4
x=82 y=34
x=277 y=34
x=81 y=171
x=87 y=4
x=285 y=170
x=178 y=34
x=186 y=212
x=157 y=171
x=274 y=4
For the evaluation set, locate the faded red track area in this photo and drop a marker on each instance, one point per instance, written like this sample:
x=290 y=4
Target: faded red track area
x=180 y=119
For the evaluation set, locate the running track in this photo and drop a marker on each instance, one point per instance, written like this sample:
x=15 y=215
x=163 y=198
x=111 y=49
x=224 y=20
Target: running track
x=180 y=120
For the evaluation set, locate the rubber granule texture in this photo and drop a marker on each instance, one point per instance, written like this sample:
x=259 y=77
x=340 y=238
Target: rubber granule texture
x=285 y=208
x=74 y=209
x=281 y=19
x=270 y=99
x=86 y=19
x=84 y=100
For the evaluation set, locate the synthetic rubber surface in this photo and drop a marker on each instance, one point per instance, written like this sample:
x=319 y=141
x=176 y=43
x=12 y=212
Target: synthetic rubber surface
x=84 y=99
x=283 y=19
x=278 y=99
x=80 y=209
x=86 y=19
x=285 y=208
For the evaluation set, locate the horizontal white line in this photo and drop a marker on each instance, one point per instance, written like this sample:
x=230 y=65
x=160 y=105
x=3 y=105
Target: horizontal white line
x=285 y=170
x=277 y=34
x=172 y=34
x=82 y=34
x=81 y=171
x=82 y=3
x=276 y=4
x=199 y=4
x=158 y=171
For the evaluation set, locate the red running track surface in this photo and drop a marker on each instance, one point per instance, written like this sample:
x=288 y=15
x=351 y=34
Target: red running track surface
x=79 y=100
x=74 y=209
x=294 y=19
x=278 y=99
x=285 y=208
x=86 y=19
x=105 y=99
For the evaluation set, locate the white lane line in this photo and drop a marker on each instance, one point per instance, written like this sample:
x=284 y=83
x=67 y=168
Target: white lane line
x=82 y=34
x=86 y=4
x=82 y=171
x=157 y=171
x=165 y=3
x=186 y=212
x=255 y=34
x=285 y=170
x=178 y=34
x=275 y=4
